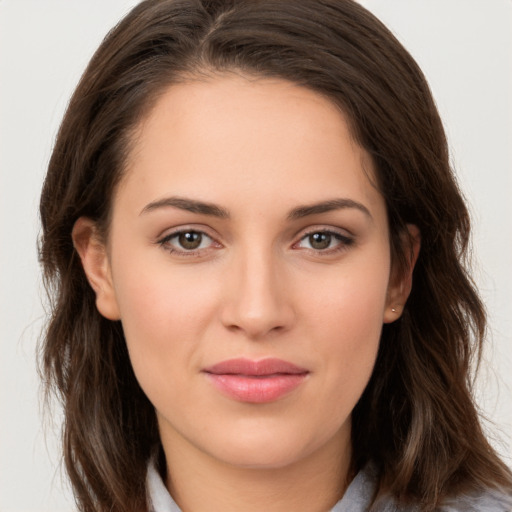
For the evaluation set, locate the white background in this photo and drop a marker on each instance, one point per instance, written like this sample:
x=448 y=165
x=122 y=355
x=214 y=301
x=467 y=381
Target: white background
x=465 y=50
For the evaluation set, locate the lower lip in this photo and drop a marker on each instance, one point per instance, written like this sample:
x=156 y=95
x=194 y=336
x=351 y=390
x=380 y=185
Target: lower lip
x=257 y=390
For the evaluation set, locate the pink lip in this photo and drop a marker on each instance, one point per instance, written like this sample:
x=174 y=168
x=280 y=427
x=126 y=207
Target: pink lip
x=256 y=381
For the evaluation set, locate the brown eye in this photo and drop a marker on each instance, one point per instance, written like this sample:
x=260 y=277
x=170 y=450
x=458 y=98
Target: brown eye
x=190 y=240
x=324 y=242
x=187 y=242
x=320 y=241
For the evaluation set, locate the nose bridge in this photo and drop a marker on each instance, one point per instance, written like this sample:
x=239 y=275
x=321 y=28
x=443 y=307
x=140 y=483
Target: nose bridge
x=258 y=302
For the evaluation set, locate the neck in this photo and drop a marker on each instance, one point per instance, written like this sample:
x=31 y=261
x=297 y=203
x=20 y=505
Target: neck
x=201 y=483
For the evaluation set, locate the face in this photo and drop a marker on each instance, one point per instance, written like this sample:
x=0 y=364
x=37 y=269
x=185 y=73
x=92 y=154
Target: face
x=249 y=262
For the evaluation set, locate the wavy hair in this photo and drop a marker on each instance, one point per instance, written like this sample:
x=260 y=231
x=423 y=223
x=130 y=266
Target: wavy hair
x=416 y=420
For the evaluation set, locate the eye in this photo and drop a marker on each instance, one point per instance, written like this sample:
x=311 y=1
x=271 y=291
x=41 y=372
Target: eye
x=186 y=241
x=324 y=241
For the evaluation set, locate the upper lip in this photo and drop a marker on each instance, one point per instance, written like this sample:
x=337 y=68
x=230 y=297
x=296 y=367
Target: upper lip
x=242 y=366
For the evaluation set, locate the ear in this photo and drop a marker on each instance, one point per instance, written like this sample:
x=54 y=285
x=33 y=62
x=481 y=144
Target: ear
x=96 y=264
x=400 y=284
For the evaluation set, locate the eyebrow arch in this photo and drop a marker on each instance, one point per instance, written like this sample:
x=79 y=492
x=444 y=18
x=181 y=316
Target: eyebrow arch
x=204 y=208
x=189 y=205
x=327 y=206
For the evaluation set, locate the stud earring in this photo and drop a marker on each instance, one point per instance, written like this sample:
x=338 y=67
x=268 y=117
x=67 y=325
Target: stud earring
x=393 y=310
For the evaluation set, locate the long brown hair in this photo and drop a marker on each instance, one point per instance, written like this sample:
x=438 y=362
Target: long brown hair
x=416 y=420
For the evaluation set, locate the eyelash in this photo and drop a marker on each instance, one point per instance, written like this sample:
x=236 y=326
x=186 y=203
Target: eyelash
x=344 y=242
x=165 y=242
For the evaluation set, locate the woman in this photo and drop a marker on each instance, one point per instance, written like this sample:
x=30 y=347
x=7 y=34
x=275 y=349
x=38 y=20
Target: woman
x=257 y=248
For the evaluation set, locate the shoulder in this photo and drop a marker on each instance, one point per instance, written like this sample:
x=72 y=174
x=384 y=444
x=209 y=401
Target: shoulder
x=488 y=501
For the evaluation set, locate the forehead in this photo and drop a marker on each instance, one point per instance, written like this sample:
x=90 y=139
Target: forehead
x=230 y=137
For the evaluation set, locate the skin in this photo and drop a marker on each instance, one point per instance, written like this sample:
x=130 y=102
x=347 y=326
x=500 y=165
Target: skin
x=258 y=286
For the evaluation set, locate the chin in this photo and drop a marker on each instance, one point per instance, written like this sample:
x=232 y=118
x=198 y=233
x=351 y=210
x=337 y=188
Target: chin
x=267 y=457
x=267 y=448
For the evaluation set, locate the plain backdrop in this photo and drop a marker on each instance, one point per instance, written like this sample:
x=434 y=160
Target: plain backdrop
x=465 y=50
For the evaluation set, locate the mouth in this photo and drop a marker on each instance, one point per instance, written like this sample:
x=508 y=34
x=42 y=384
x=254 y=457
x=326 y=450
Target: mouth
x=261 y=381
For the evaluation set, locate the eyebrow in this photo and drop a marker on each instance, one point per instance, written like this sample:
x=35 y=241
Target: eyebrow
x=327 y=206
x=189 y=205
x=204 y=208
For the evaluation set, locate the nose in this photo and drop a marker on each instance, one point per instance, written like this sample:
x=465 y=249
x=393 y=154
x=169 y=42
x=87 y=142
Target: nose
x=258 y=302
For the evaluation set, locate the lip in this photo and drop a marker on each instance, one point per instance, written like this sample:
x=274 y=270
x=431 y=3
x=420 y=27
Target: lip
x=260 y=381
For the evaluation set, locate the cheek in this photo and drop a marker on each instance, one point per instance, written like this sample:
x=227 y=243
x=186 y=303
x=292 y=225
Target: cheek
x=164 y=314
x=153 y=294
x=351 y=305
x=347 y=323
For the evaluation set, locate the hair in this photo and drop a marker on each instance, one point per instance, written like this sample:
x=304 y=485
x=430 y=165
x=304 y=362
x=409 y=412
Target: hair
x=416 y=420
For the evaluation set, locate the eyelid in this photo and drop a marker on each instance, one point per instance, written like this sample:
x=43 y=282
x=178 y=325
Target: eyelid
x=164 y=240
x=344 y=237
x=323 y=228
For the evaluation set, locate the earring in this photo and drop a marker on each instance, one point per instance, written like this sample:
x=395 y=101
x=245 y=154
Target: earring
x=393 y=310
